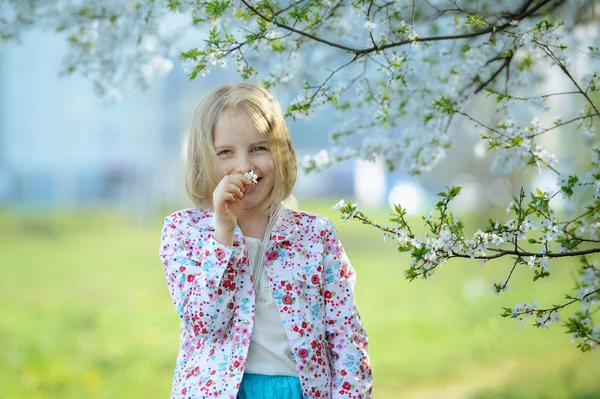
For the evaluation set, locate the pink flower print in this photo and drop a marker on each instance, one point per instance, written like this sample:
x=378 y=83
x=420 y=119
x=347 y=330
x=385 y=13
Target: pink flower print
x=328 y=248
x=307 y=255
x=287 y=299
x=271 y=256
x=182 y=269
x=315 y=279
x=346 y=386
x=219 y=253
x=303 y=353
x=190 y=278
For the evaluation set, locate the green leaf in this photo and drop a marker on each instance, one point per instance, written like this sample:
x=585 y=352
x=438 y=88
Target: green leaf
x=403 y=248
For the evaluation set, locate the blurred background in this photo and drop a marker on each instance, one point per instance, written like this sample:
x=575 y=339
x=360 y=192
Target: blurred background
x=84 y=308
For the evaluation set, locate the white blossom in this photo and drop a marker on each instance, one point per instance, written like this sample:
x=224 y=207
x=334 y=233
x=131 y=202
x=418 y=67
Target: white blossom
x=370 y=25
x=532 y=261
x=339 y=204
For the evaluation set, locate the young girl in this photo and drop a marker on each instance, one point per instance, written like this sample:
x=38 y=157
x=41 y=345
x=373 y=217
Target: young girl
x=264 y=293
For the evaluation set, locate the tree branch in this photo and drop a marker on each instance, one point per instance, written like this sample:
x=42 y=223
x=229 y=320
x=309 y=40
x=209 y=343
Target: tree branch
x=518 y=16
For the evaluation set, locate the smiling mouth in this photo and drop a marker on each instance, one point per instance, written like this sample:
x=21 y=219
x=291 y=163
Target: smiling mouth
x=257 y=181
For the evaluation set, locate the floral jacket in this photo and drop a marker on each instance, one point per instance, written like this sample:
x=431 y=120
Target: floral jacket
x=312 y=282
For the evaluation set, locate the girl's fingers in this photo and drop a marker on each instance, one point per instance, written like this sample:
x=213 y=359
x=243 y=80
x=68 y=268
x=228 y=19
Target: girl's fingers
x=226 y=197
x=239 y=180
x=231 y=188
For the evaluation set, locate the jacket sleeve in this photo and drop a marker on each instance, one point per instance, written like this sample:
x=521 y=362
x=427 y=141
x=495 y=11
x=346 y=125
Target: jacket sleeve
x=201 y=275
x=351 y=375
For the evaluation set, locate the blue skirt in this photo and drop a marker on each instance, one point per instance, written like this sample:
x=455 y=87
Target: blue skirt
x=260 y=386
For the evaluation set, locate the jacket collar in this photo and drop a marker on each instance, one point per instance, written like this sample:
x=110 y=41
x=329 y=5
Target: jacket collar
x=284 y=229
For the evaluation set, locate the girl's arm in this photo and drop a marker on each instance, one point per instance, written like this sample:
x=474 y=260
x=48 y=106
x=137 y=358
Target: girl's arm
x=351 y=375
x=201 y=275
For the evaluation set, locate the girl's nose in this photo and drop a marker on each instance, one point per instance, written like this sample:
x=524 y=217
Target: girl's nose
x=244 y=165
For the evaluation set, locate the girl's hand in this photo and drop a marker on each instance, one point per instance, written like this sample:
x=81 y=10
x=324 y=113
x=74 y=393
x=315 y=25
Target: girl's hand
x=227 y=203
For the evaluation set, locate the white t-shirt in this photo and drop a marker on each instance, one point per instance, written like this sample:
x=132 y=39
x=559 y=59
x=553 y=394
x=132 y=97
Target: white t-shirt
x=269 y=352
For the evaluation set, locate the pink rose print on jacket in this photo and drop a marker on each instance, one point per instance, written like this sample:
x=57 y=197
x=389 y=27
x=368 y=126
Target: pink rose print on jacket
x=303 y=353
x=315 y=279
x=272 y=255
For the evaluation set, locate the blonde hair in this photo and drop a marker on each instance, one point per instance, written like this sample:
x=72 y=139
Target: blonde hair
x=265 y=113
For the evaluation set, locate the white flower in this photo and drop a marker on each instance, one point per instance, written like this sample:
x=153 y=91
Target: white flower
x=508 y=208
x=355 y=210
x=596 y=333
x=538 y=101
x=588 y=132
x=370 y=25
x=413 y=36
x=428 y=217
x=497 y=287
x=531 y=261
x=252 y=176
x=544 y=263
x=188 y=66
x=339 y=204
x=496 y=239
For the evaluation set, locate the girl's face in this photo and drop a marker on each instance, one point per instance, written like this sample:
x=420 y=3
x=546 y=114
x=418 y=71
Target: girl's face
x=240 y=149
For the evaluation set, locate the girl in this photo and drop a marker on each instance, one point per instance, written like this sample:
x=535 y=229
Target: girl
x=264 y=293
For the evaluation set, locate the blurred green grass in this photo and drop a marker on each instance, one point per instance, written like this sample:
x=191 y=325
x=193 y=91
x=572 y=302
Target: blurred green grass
x=85 y=313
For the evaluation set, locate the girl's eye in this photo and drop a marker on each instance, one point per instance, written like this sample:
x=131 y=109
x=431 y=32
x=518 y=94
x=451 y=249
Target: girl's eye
x=258 y=148
x=224 y=152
